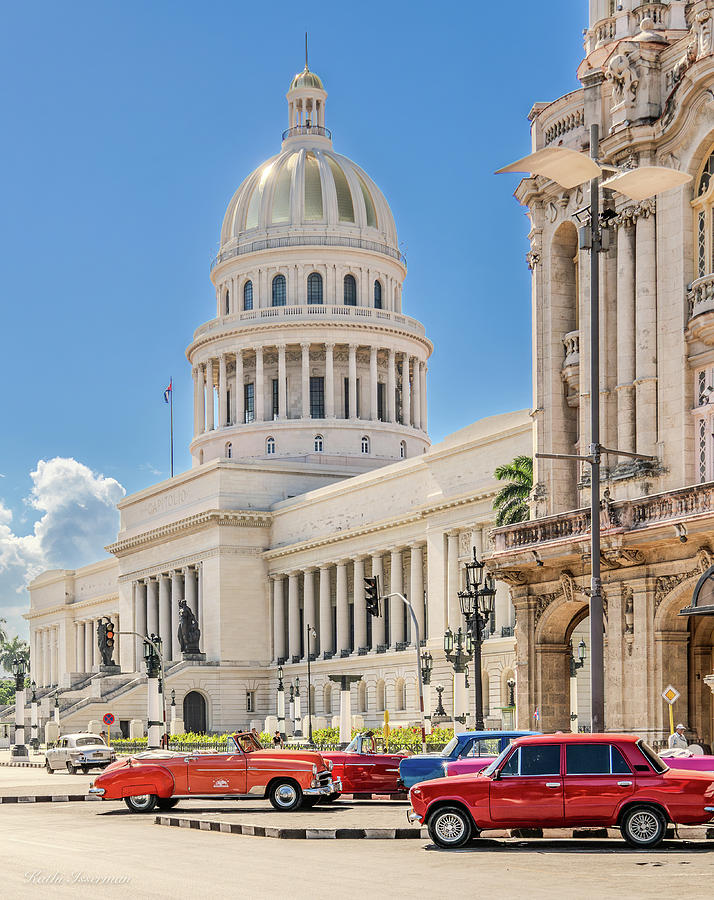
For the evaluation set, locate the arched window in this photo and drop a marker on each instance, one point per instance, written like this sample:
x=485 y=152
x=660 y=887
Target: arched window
x=314 y=287
x=365 y=444
x=350 y=292
x=362 y=697
x=270 y=446
x=200 y=457
x=327 y=699
x=248 y=295
x=377 y=294
x=319 y=443
x=402 y=450
x=227 y=307
x=380 y=696
x=229 y=450
x=704 y=220
x=400 y=695
x=278 y=290
x=485 y=693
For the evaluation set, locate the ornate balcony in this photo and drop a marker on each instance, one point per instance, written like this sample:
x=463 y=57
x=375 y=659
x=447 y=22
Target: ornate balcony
x=571 y=366
x=563 y=122
x=299 y=130
x=700 y=299
x=658 y=12
x=605 y=31
x=309 y=240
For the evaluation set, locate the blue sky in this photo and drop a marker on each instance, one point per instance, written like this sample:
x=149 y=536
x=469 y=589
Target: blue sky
x=127 y=127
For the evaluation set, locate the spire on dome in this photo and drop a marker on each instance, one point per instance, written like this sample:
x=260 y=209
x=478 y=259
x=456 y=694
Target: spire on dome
x=306 y=105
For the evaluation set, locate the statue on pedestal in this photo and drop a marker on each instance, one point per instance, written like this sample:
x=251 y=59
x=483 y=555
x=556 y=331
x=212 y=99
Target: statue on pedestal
x=189 y=634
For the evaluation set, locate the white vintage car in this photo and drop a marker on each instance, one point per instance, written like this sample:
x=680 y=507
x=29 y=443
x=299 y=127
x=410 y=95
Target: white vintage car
x=79 y=752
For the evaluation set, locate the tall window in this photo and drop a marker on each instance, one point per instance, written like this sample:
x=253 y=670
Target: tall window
x=402 y=450
x=227 y=307
x=248 y=295
x=276 y=401
x=319 y=443
x=350 y=292
x=381 y=412
x=279 y=290
x=703 y=409
x=314 y=287
x=365 y=444
x=270 y=446
x=317 y=397
x=347 y=399
x=377 y=294
x=704 y=220
x=249 y=401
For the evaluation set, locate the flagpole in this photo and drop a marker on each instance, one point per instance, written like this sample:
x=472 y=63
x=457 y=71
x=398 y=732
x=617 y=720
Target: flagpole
x=171 y=402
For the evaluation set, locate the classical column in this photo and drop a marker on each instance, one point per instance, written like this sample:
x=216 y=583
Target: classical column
x=279 y=617
x=190 y=580
x=53 y=655
x=378 y=623
x=326 y=642
x=360 y=608
x=416 y=403
x=422 y=378
x=452 y=580
x=201 y=399
x=310 y=613
x=352 y=380
x=293 y=616
x=343 y=611
x=259 y=386
x=177 y=593
x=165 y=615
x=282 y=386
x=305 y=350
x=240 y=389
x=88 y=647
x=373 y=382
x=329 y=381
x=406 y=393
x=625 y=338
x=646 y=340
x=152 y=607
x=396 y=606
x=210 y=405
x=78 y=649
x=196 y=382
x=416 y=586
x=391 y=387
x=139 y=620
x=222 y=391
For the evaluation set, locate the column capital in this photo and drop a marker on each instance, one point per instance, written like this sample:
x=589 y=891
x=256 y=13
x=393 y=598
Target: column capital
x=277 y=577
x=329 y=345
x=305 y=345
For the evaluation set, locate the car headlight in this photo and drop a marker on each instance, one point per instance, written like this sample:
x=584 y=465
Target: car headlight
x=314 y=768
x=329 y=764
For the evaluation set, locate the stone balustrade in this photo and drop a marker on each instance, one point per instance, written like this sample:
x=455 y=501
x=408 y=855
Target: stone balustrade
x=658 y=12
x=700 y=301
x=571 y=346
x=564 y=124
x=605 y=31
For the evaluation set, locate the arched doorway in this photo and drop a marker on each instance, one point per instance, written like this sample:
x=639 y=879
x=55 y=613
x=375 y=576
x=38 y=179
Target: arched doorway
x=194 y=712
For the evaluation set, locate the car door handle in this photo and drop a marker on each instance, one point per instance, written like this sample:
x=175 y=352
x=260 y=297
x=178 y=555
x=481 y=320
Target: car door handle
x=624 y=784
x=552 y=784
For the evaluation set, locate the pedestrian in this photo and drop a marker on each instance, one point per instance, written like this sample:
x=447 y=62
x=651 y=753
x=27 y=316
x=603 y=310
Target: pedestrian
x=677 y=740
x=254 y=732
x=277 y=741
x=103 y=736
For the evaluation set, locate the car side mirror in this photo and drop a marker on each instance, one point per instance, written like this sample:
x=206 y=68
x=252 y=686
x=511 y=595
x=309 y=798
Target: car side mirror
x=496 y=775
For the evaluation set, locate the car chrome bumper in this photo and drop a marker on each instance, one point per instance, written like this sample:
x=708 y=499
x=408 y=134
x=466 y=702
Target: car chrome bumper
x=99 y=791
x=413 y=817
x=332 y=787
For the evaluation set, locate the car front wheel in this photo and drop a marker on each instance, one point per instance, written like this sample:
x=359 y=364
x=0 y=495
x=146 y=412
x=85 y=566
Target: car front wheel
x=142 y=803
x=643 y=827
x=71 y=769
x=285 y=796
x=49 y=768
x=449 y=827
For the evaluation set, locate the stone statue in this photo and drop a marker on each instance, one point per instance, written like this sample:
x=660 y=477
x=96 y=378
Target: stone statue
x=704 y=33
x=104 y=649
x=625 y=82
x=189 y=634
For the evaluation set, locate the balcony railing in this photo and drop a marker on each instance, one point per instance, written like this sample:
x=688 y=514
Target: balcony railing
x=624 y=515
x=298 y=130
x=605 y=31
x=571 y=346
x=366 y=315
x=658 y=12
x=701 y=296
x=309 y=240
x=565 y=124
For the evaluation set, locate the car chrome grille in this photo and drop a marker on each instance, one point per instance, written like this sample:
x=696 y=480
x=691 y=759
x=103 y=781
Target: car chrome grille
x=325 y=778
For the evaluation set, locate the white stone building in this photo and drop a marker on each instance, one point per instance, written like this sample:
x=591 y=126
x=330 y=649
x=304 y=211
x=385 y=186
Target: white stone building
x=312 y=468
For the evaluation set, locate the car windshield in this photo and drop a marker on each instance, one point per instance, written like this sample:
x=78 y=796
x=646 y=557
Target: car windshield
x=354 y=744
x=652 y=757
x=489 y=770
x=449 y=748
x=88 y=741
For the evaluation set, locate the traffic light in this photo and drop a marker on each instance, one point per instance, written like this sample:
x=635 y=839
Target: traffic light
x=109 y=632
x=371 y=590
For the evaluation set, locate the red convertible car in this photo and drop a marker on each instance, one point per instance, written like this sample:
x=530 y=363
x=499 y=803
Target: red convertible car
x=363 y=768
x=559 y=780
x=160 y=778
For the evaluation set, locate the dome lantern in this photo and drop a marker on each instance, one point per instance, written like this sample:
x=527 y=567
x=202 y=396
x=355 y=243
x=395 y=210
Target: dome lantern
x=306 y=106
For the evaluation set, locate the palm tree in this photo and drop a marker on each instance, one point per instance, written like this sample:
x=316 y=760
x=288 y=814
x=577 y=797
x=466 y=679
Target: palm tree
x=9 y=649
x=511 y=502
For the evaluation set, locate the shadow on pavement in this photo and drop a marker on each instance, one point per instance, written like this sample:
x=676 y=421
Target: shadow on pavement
x=539 y=845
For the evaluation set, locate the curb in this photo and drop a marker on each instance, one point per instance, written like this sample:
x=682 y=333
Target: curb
x=380 y=834
x=23 y=765
x=49 y=798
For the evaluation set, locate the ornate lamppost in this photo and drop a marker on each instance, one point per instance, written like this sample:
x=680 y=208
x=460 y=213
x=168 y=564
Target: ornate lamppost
x=57 y=711
x=427 y=664
x=440 y=712
x=476 y=604
x=34 y=738
x=575 y=664
x=311 y=633
x=458 y=649
x=172 y=729
x=153 y=662
x=298 y=708
x=281 y=703
x=18 y=670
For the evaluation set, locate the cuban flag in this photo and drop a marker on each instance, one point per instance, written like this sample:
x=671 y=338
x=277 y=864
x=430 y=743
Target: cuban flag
x=169 y=390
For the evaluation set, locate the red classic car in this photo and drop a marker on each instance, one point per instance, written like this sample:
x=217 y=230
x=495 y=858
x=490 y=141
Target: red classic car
x=364 y=769
x=163 y=777
x=558 y=780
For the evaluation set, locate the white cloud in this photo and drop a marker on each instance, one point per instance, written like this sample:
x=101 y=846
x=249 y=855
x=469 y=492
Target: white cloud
x=79 y=517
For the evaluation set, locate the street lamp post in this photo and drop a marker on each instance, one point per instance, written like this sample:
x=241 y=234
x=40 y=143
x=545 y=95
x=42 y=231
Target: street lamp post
x=152 y=648
x=570 y=169
x=311 y=633
x=57 y=711
x=476 y=604
x=459 y=648
x=18 y=670
x=298 y=708
x=427 y=664
x=575 y=664
x=281 y=703
x=34 y=739
x=154 y=667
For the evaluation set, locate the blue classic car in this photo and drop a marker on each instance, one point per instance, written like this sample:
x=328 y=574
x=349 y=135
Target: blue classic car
x=468 y=744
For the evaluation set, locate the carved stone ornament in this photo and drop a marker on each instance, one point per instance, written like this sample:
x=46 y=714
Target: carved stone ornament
x=703 y=28
x=629 y=608
x=514 y=577
x=625 y=81
x=705 y=558
x=622 y=556
x=665 y=584
x=465 y=543
x=567 y=584
x=542 y=602
x=533 y=257
x=630 y=214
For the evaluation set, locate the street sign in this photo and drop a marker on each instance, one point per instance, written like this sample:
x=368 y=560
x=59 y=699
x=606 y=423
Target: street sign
x=670 y=694
x=108 y=718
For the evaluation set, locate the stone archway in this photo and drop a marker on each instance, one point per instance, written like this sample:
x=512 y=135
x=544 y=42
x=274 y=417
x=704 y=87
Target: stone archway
x=194 y=713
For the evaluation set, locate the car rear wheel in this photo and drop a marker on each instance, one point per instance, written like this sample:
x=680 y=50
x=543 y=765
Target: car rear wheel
x=285 y=796
x=167 y=803
x=142 y=803
x=643 y=826
x=49 y=768
x=449 y=827
x=71 y=769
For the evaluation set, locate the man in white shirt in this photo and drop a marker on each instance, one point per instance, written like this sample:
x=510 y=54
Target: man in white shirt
x=677 y=740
